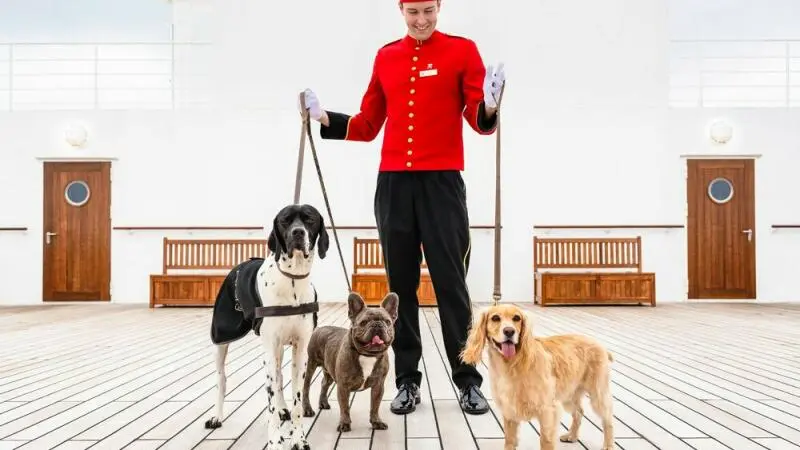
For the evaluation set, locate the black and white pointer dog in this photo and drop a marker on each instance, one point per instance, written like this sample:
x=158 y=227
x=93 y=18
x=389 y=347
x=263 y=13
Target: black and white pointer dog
x=274 y=297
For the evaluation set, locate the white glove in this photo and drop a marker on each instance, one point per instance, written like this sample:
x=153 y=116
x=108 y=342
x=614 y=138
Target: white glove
x=312 y=104
x=492 y=84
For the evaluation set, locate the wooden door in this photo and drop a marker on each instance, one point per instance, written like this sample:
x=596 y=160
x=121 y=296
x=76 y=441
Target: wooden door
x=77 y=231
x=721 y=229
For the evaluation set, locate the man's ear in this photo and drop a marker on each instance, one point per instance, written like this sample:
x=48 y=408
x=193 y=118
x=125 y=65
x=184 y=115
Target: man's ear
x=323 y=242
x=275 y=241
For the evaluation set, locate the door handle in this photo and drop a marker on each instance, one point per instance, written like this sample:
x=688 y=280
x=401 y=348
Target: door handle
x=749 y=234
x=48 y=235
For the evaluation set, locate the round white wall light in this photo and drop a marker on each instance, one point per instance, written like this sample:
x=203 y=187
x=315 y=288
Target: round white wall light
x=721 y=131
x=75 y=135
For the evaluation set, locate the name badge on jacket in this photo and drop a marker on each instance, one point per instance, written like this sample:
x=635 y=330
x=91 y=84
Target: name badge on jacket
x=428 y=73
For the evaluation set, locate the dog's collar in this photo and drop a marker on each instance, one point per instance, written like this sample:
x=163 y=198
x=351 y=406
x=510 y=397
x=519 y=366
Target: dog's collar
x=272 y=311
x=293 y=276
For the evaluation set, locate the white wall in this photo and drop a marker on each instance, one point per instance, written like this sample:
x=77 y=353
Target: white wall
x=191 y=169
x=587 y=139
x=773 y=135
x=85 y=21
x=560 y=86
x=734 y=19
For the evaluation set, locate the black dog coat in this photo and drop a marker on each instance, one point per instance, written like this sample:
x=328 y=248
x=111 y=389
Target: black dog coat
x=236 y=303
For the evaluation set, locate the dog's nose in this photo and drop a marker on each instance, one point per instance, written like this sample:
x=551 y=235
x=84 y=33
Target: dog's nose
x=298 y=233
x=509 y=331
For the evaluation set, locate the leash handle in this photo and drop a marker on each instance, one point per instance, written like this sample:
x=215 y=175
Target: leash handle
x=306 y=129
x=496 y=293
x=299 y=176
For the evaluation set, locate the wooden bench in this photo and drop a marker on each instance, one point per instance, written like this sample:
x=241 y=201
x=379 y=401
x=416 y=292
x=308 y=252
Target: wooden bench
x=205 y=263
x=369 y=275
x=568 y=282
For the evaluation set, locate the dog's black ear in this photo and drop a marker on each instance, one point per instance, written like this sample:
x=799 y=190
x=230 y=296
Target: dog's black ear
x=272 y=245
x=390 y=303
x=355 y=304
x=275 y=242
x=323 y=242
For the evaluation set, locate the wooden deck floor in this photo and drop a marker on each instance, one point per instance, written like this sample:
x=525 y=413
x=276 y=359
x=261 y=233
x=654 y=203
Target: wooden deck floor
x=710 y=376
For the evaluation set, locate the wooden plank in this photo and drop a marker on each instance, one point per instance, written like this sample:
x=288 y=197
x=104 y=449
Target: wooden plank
x=680 y=380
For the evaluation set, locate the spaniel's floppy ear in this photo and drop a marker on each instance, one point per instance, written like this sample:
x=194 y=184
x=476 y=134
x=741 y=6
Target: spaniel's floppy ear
x=526 y=327
x=275 y=241
x=525 y=340
x=322 y=239
x=476 y=340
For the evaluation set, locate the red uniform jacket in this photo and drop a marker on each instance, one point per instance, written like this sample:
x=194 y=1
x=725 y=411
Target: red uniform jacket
x=422 y=90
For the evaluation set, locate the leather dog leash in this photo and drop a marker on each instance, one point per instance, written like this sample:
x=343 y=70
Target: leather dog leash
x=496 y=293
x=306 y=130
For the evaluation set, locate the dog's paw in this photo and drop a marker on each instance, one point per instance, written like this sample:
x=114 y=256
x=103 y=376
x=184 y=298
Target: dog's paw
x=284 y=414
x=379 y=425
x=568 y=438
x=324 y=405
x=213 y=423
x=275 y=444
x=308 y=411
x=300 y=444
x=343 y=427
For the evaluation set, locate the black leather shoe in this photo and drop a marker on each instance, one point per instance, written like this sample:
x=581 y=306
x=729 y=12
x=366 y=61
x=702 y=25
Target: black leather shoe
x=472 y=400
x=406 y=400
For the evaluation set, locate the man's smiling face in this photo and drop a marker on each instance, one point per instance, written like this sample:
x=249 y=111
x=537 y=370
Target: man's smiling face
x=421 y=17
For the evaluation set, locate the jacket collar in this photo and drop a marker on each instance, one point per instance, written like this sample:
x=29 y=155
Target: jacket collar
x=412 y=42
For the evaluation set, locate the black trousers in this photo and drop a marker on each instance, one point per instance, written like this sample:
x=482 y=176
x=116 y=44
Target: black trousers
x=428 y=208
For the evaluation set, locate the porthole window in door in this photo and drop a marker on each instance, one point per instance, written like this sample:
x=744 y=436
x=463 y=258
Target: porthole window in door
x=77 y=193
x=720 y=190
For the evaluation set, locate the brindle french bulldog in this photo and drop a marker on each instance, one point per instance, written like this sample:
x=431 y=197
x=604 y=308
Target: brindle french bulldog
x=356 y=358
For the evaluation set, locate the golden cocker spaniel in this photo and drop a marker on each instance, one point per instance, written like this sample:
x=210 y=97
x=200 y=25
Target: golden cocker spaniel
x=531 y=376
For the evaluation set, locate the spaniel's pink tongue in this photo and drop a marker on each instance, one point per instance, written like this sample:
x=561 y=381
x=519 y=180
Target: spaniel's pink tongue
x=376 y=340
x=508 y=349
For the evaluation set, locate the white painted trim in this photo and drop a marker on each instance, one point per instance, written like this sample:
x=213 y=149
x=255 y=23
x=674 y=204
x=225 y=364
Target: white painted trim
x=723 y=300
x=720 y=156
x=77 y=158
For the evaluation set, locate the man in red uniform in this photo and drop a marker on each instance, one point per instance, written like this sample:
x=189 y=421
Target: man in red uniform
x=423 y=87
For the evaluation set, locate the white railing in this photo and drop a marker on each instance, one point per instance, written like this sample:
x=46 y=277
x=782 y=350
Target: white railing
x=46 y=76
x=169 y=75
x=733 y=73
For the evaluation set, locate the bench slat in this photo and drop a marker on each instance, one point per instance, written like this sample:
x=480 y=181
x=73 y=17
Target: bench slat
x=368 y=254
x=369 y=276
x=210 y=254
x=589 y=253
